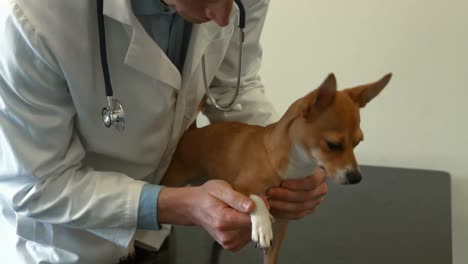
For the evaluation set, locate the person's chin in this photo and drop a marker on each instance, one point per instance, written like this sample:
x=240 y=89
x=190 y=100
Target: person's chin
x=198 y=20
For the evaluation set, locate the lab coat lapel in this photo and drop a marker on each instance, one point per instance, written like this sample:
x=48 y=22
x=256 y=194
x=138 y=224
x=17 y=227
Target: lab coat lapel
x=199 y=40
x=207 y=40
x=143 y=53
x=202 y=36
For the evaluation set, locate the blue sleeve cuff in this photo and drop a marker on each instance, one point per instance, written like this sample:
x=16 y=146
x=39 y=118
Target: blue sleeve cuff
x=148 y=207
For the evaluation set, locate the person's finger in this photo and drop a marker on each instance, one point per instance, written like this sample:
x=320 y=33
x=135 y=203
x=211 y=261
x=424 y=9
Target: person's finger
x=277 y=193
x=241 y=239
x=292 y=216
x=287 y=207
x=307 y=183
x=224 y=192
x=232 y=219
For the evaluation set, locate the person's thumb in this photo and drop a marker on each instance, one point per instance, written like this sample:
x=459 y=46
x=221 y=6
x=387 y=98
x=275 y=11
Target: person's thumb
x=224 y=192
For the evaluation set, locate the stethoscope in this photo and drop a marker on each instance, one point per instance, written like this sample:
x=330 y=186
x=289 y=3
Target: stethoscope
x=113 y=115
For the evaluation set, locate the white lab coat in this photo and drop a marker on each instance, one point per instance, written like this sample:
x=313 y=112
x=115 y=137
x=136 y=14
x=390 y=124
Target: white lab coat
x=69 y=187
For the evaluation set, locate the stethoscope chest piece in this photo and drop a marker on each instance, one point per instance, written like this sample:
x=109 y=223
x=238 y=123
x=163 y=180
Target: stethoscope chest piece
x=114 y=115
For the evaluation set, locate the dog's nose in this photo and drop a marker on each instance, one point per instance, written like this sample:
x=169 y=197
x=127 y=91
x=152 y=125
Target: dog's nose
x=353 y=176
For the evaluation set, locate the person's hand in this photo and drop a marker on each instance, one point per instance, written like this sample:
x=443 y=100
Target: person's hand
x=297 y=198
x=215 y=206
x=224 y=213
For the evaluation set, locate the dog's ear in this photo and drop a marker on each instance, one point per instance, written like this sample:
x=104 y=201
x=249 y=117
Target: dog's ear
x=364 y=93
x=321 y=97
x=326 y=93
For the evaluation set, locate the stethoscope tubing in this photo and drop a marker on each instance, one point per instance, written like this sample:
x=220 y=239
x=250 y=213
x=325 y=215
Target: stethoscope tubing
x=103 y=49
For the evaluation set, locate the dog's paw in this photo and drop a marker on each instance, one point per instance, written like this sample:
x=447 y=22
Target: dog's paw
x=262 y=231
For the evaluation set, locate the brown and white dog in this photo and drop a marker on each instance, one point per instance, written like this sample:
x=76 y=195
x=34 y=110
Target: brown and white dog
x=320 y=129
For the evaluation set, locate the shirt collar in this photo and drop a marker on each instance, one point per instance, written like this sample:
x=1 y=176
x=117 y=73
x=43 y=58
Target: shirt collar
x=121 y=10
x=150 y=7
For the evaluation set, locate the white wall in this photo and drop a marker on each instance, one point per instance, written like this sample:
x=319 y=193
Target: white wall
x=421 y=119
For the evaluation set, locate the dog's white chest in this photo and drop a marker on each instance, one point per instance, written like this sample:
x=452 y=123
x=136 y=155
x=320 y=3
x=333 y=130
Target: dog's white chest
x=301 y=164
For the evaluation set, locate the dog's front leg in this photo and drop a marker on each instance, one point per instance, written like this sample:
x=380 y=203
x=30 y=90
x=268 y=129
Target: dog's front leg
x=272 y=253
x=262 y=230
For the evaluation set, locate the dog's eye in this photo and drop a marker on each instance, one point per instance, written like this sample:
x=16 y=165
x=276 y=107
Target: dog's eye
x=334 y=146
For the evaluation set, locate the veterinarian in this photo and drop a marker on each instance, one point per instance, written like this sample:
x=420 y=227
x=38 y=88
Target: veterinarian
x=73 y=190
